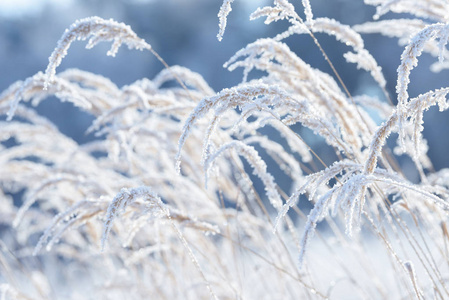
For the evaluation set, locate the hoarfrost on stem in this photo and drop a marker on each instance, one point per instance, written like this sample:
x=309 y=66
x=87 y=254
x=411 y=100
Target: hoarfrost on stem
x=98 y=30
x=154 y=205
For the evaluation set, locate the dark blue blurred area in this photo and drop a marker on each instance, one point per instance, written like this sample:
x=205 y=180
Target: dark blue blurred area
x=184 y=33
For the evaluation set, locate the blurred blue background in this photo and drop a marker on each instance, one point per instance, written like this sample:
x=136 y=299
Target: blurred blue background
x=184 y=33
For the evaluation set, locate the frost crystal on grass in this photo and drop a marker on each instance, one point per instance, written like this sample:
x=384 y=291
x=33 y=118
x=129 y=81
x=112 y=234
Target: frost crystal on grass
x=225 y=9
x=97 y=30
x=153 y=206
x=409 y=60
x=259 y=166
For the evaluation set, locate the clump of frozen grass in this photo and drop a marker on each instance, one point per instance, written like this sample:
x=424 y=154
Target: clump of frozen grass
x=165 y=227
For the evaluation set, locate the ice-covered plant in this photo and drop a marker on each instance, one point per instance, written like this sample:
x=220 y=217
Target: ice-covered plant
x=182 y=194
